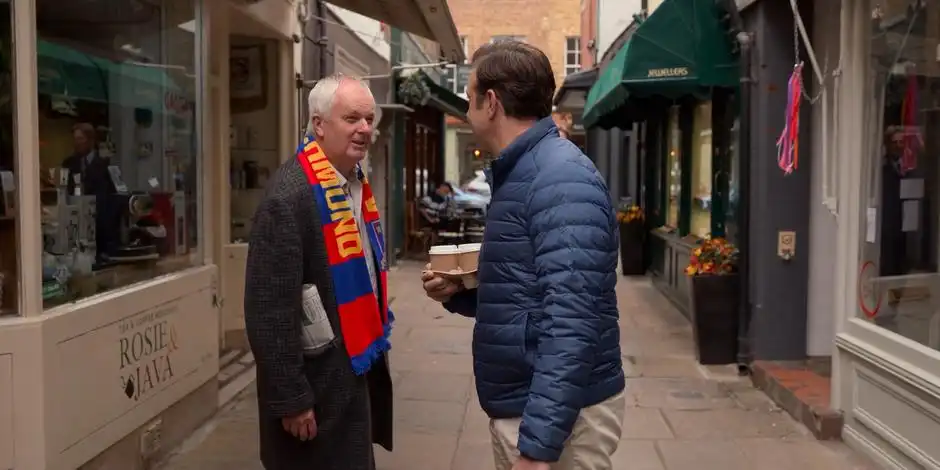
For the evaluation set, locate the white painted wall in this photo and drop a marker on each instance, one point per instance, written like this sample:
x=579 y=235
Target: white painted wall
x=820 y=328
x=368 y=29
x=451 y=155
x=613 y=16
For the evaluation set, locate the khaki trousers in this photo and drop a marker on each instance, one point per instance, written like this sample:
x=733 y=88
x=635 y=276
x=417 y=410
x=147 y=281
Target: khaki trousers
x=593 y=439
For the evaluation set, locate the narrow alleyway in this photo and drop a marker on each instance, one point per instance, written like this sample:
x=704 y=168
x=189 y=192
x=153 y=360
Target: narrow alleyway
x=679 y=416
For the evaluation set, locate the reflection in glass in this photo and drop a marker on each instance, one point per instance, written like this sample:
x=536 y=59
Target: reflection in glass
x=731 y=205
x=8 y=235
x=899 y=285
x=673 y=168
x=701 y=194
x=118 y=150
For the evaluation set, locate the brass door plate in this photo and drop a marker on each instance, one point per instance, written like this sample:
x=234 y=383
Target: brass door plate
x=786 y=244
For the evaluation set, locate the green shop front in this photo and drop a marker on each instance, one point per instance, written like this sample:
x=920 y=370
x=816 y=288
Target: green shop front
x=418 y=159
x=677 y=76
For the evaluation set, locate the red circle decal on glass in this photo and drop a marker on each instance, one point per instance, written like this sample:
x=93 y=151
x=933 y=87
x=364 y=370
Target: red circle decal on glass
x=868 y=300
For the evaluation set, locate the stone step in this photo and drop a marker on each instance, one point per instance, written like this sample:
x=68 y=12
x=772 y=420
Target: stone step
x=233 y=364
x=229 y=356
x=803 y=392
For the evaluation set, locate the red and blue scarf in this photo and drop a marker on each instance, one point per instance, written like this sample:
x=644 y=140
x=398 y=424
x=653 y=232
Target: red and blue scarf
x=364 y=317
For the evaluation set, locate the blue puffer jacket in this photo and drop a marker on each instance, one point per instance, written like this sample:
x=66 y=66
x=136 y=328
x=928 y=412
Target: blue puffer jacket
x=546 y=341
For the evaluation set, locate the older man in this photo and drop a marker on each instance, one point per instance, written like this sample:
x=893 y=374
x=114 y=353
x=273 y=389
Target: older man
x=315 y=305
x=546 y=345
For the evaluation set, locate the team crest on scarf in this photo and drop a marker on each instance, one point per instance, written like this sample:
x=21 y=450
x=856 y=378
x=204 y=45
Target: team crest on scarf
x=364 y=316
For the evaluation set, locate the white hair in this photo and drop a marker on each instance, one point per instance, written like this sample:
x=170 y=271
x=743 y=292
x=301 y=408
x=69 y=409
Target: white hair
x=320 y=99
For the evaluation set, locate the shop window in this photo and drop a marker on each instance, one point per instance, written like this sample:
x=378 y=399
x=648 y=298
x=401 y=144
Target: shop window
x=8 y=235
x=900 y=204
x=118 y=152
x=701 y=191
x=673 y=168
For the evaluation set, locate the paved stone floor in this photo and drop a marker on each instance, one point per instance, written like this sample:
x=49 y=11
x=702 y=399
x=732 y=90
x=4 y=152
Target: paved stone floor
x=679 y=416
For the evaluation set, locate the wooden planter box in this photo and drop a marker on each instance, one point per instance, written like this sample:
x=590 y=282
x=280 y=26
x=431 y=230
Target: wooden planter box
x=715 y=317
x=632 y=249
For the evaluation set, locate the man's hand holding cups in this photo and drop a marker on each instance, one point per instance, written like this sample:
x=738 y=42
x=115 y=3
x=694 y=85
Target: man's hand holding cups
x=437 y=287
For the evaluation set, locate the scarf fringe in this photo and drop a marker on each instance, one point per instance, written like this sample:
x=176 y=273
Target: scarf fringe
x=362 y=363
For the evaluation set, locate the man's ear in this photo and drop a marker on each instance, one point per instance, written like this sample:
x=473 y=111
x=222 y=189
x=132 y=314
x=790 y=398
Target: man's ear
x=317 y=125
x=491 y=103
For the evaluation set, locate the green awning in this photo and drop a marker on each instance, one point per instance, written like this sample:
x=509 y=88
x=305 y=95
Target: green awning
x=143 y=86
x=154 y=76
x=63 y=70
x=681 y=49
x=445 y=100
x=66 y=71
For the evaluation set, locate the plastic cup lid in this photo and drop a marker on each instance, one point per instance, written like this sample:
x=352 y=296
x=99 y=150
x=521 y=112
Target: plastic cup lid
x=443 y=250
x=468 y=247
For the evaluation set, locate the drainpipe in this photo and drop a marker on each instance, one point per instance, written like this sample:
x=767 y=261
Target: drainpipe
x=745 y=39
x=396 y=171
x=322 y=41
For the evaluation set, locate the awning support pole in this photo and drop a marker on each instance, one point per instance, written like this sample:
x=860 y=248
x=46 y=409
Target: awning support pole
x=809 y=46
x=311 y=83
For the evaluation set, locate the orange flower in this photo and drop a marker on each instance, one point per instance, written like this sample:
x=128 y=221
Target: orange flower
x=712 y=256
x=629 y=214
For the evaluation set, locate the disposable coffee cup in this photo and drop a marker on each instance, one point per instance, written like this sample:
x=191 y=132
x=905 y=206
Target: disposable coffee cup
x=444 y=258
x=468 y=257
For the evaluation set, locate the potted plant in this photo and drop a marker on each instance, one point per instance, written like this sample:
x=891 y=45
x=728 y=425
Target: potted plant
x=632 y=222
x=414 y=91
x=715 y=287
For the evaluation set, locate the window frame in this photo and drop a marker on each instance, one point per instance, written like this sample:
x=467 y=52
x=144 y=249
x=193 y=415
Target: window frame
x=572 y=67
x=26 y=143
x=465 y=45
x=29 y=230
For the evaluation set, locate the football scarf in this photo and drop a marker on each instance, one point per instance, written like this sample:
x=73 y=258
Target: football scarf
x=364 y=317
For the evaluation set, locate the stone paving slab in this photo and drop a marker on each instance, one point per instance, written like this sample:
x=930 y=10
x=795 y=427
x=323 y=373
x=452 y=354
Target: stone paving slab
x=679 y=416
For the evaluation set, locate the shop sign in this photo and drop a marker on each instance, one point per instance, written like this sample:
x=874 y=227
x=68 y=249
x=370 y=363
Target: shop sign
x=122 y=368
x=668 y=72
x=146 y=346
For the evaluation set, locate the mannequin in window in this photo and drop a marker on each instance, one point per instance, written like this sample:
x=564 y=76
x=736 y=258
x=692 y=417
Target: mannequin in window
x=86 y=162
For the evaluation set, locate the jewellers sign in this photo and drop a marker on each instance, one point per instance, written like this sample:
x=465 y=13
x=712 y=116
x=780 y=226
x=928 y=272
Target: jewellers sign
x=672 y=72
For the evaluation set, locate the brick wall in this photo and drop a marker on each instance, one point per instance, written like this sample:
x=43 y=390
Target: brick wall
x=544 y=23
x=588 y=32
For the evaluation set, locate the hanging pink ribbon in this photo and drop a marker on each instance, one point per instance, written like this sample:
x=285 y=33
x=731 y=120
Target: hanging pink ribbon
x=788 y=145
x=911 y=135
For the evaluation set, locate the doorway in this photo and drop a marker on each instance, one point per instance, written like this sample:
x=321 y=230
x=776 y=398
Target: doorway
x=259 y=112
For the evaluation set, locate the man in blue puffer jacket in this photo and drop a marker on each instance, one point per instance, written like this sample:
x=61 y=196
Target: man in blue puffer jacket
x=546 y=344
